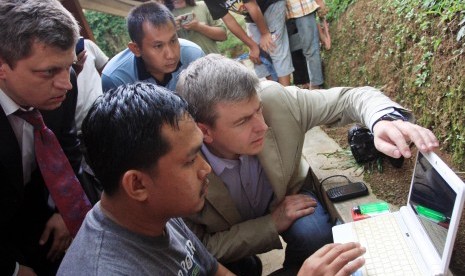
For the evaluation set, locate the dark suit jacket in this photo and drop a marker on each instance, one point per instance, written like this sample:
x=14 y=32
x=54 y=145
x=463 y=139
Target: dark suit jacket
x=24 y=209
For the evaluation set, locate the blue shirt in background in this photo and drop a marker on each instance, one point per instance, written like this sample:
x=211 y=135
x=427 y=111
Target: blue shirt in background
x=125 y=67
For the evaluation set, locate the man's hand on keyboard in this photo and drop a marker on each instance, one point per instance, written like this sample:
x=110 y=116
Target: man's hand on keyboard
x=334 y=259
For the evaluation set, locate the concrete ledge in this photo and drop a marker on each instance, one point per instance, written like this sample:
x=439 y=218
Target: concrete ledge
x=326 y=158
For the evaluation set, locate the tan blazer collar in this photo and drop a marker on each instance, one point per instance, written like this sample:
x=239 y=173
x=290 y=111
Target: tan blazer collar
x=224 y=205
x=272 y=164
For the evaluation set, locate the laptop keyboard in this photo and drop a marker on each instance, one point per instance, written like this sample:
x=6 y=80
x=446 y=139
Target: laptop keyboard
x=388 y=254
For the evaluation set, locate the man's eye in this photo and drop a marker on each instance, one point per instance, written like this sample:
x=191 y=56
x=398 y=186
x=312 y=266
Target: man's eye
x=243 y=121
x=192 y=161
x=158 y=46
x=49 y=72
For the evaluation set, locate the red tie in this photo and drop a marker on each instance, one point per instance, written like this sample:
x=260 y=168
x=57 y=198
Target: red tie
x=62 y=183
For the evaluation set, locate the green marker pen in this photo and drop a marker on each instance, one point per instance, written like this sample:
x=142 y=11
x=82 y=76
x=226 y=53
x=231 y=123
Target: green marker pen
x=430 y=214
x=374 y=208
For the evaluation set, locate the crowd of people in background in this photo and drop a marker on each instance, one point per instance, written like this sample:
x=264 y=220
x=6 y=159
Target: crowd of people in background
x=267 y=37
x=168 y=158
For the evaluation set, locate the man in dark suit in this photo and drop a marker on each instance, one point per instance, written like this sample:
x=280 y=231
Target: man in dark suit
x=37 y=41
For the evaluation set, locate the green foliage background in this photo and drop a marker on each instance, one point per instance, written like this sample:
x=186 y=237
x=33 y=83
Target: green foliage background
x=414 y=50
x=233 y=46
x=110 y=31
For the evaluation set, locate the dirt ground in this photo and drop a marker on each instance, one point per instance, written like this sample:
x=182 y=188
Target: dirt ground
x=392 y=185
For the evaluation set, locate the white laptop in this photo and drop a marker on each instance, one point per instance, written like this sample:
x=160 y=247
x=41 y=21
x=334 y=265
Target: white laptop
x=421 y=234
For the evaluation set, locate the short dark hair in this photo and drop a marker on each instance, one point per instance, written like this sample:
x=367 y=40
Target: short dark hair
x=28 y=21
x=155 y=13
x=122 y=130
x=169 y=4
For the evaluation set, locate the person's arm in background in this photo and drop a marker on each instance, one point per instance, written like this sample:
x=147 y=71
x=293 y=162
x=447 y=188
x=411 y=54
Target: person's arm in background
x=101 y=58
x=239 y=32
x=266 y=40
x=322 y=10
x=218 y=10
x=212 y=32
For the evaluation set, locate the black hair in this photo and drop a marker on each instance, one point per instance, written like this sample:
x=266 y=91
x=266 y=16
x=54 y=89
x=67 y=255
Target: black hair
x=122 y=130
x=155 y=13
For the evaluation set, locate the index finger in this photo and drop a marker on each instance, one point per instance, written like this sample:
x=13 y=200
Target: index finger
x=325 y=249
x=343 y=253
x=351 y=267
x=424 y=139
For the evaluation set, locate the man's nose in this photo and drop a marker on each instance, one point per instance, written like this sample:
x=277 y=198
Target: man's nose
x=169 y=52
x=63 y=81
x=259 y=123
x=206 y=168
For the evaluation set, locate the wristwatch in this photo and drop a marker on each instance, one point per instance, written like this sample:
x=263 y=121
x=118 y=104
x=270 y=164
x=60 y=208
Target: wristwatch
x=393 y=116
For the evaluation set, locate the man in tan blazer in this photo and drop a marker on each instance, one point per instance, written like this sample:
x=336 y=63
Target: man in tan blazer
x=253 y=138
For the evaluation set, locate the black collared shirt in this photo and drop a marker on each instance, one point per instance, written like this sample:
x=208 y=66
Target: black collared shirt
x=143 y=74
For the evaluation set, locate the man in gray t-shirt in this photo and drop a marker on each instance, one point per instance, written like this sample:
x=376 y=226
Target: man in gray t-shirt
x=144 y=148
x=107 y=248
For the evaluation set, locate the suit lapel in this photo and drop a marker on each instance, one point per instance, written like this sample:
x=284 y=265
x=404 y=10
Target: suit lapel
x=272 y=164
x=10 y=154
x=223 y=205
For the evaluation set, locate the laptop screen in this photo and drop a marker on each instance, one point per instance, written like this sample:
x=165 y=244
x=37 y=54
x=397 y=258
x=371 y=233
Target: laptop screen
x=433 y=200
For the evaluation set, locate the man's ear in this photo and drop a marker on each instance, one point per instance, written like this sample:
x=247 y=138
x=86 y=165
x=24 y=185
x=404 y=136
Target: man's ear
x=207 y=133
x=134 y=48
x=134 y=184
